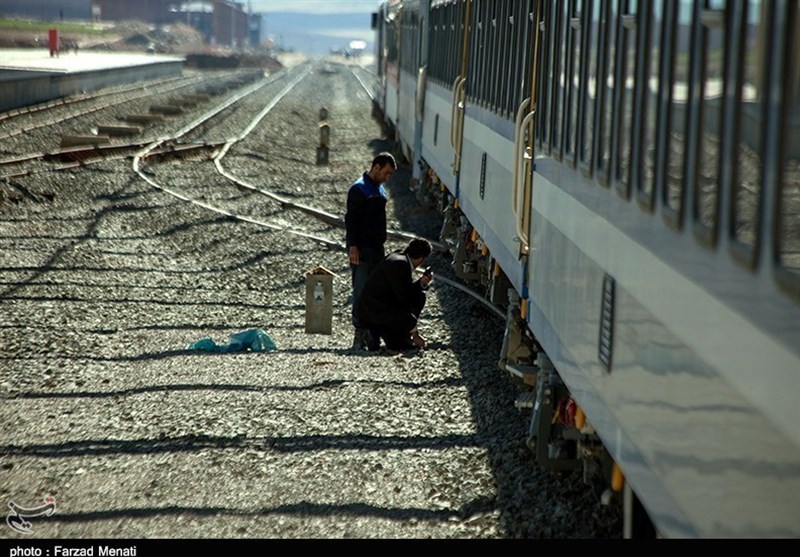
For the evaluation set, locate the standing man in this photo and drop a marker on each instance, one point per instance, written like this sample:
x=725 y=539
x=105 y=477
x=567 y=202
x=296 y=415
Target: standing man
x=392 y=300
x=365 y=222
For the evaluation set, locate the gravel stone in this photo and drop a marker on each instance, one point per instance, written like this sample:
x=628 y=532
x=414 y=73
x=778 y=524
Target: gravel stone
x=104 y=284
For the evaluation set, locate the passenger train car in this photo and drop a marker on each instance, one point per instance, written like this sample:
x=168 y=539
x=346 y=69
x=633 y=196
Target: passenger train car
x=624 y=178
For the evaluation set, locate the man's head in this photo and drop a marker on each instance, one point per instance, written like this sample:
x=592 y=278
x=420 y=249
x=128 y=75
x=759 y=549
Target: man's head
x=417 y=250
x=383 y=166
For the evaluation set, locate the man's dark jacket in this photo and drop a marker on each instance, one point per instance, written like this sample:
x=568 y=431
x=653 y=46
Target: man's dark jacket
x=365 y=219
x=392 y=296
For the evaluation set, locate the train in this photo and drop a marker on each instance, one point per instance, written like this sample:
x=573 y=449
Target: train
x=623 y=179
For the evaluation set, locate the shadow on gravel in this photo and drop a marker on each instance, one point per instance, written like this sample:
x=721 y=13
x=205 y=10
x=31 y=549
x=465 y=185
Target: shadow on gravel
x=166 y=354
x=51 y=266
x=298 y=509
x=227 y=387
x=71 y=242
x=288 y=444
x=527 y=496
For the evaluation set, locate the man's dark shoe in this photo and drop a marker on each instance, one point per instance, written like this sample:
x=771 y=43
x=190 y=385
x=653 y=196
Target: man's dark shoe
x=373 y=341
x=361 y=339
x=365 y=339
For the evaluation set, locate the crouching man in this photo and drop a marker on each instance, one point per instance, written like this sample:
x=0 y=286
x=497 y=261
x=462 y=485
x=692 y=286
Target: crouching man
x=392 y=300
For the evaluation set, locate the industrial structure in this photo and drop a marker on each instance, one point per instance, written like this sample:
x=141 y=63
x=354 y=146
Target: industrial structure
x=221 y=22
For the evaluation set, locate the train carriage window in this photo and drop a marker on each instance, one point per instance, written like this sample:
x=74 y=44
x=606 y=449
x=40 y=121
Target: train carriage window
x=545 y=74
x=438 y=69
x=712 y=95
x=403 y=35
x=441 y=45
x=446 y=31
x=433 y=69
x=409 y=37
x=609 y=26
x=651 y=103
x=473 y=73
x=789 y=194
x=498 y=60
x=575 y=28
x=488 y=54
x=516 y=49
x=750 y=124
x=526 y=60
x=560 y=69
x=591 y=82
x=515 y=52
x=449 y=39
x=627 y=89
x=492 y=61
x=446 y=23
x=483 y=39
x=475 y=52
x=502 y=55
x=505 y=63
x=480 y=32
x=391 y=41
x=678 y=113
x=456 y=30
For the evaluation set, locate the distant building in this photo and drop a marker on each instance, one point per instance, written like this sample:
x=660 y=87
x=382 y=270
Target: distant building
x=150 y=11
x=220 y=21
x=255 y=30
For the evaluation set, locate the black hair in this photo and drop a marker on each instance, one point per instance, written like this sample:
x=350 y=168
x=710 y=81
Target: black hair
x=418 y=247
x=383 y=159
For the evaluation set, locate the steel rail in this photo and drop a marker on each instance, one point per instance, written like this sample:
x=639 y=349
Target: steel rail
x=92 y=110
x=324 y=216
x=149 y=151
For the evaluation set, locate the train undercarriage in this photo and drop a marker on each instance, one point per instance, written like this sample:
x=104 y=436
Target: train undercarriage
x=559 y=436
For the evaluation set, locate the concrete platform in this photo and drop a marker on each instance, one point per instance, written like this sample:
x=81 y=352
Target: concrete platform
x=30 y=76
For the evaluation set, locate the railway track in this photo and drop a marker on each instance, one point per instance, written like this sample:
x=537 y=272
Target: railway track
x=104 y=286
x=114 y=100
x=334 y=220
x=22 y=162
x=189 y=140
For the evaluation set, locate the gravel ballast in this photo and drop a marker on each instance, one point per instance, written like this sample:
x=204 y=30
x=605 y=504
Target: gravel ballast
x=104 y=285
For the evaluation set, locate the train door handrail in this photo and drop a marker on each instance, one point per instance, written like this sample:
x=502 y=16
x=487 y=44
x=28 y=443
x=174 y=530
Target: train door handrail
x=521 y=176
x=517 y=138
x=454 y=109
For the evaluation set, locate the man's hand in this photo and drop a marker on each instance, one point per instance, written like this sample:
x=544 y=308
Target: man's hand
x=355 y=255
x=425 y=280
x=417 y=340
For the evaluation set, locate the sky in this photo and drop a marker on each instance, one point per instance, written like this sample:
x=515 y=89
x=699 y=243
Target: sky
x=316 y=26
x=314 y=6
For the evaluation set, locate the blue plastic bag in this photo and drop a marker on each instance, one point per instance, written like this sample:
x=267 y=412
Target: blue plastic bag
x=255 y=340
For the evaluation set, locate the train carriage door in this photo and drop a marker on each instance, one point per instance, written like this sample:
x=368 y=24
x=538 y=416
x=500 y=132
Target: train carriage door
x=422 y=78
x=522 y=181
x=459 y=92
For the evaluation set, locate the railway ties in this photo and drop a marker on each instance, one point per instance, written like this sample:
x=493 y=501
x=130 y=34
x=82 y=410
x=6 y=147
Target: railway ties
x=105 y=139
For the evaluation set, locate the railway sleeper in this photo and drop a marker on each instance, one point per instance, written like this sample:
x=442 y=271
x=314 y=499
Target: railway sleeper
x=112 y=130
x=166 y=109
x=144 y=118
